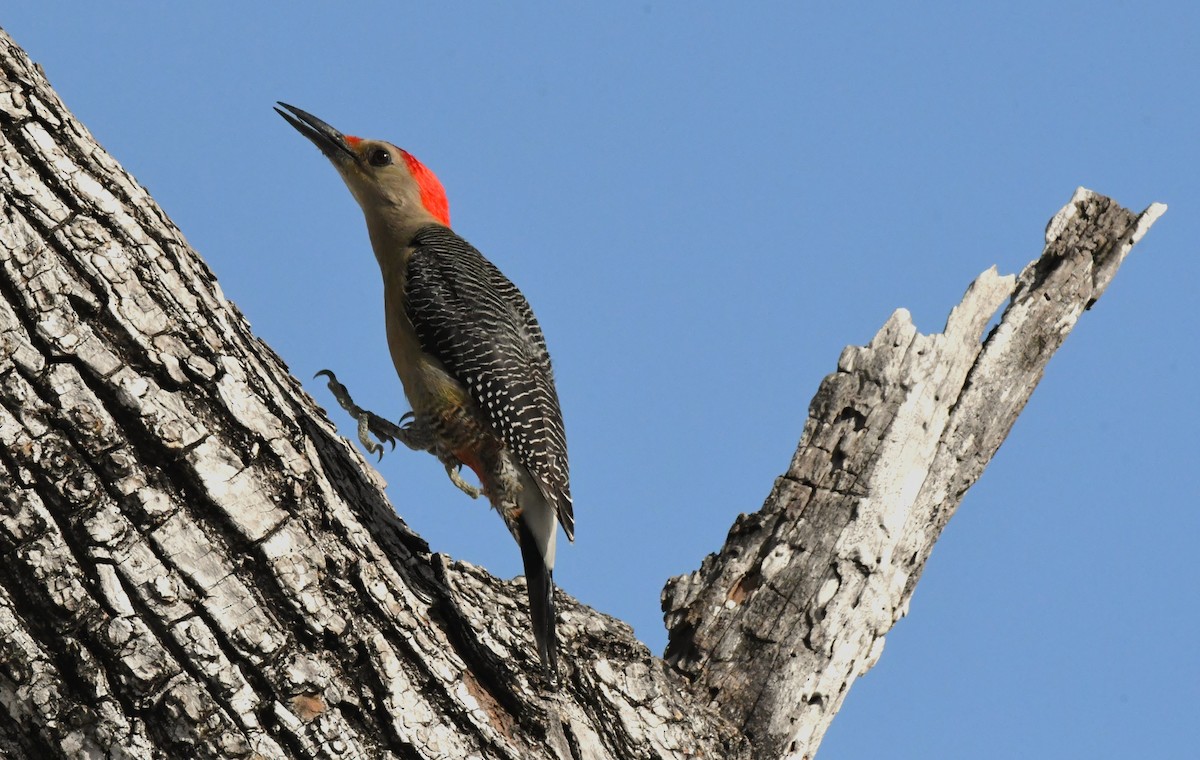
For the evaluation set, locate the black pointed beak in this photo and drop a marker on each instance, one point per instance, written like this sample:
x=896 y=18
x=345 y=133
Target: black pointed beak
x=331 y=142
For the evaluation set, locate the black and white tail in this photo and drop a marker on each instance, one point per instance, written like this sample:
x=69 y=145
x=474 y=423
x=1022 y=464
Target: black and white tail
x=537 y=533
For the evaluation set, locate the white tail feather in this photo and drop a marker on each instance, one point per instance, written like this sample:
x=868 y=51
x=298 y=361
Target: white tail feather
x=539 y=517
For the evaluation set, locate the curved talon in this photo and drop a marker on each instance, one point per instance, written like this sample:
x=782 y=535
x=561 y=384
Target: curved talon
x=368 y=423
x=383 y=429
x=339 y=391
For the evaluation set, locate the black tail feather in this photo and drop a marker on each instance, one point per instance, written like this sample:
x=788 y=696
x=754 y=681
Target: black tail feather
x=539 y=581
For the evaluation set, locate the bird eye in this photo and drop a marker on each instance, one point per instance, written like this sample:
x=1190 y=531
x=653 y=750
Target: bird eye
x=380 y=157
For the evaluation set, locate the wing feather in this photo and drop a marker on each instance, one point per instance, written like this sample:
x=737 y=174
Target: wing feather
x=471 y=317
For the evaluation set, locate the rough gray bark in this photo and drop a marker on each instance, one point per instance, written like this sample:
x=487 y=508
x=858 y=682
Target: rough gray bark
x=196 y=564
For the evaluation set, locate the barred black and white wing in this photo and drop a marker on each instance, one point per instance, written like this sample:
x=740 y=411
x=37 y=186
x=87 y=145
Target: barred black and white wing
x=471 y=318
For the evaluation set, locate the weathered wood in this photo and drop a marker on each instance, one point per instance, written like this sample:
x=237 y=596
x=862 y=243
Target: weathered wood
x=776 y=627
x=197 y=565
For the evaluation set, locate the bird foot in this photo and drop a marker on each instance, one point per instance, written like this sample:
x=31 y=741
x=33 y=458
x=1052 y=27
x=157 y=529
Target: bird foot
x=457 y=479
x=370 y=423
x=415 y=434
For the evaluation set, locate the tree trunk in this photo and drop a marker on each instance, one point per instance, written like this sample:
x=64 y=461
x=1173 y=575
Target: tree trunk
x=197 y=565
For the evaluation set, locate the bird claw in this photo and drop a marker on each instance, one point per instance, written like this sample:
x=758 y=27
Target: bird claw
x=410 y=432
x=369 y=423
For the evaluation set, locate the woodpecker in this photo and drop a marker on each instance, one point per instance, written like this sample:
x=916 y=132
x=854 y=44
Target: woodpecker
x=469 y=353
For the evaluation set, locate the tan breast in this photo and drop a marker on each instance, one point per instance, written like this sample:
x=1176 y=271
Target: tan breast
x=427 y=385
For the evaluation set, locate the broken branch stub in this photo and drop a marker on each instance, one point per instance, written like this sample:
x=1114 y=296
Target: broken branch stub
x=775 y=627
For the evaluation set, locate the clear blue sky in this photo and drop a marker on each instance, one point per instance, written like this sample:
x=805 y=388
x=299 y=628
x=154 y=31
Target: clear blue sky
x=704 y=204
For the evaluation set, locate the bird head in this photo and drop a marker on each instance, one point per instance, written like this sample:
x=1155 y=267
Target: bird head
x=385 y=180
